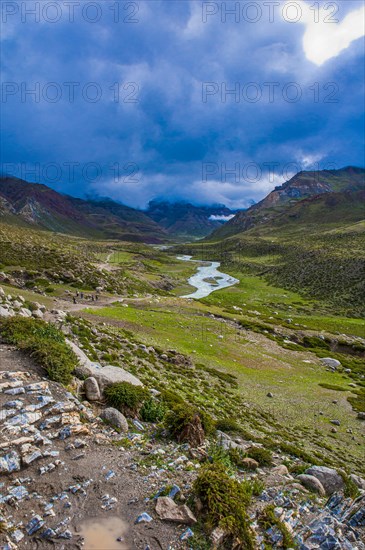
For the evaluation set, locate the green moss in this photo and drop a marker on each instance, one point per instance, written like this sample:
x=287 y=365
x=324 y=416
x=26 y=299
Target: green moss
x=152 y=410
x=358 y=403
x=224 y=503
x=182 y=416
x=44 y=343
x=261 y=455
x=332 y=387
x=269 y=519
x=351 y=490
x=126 y=397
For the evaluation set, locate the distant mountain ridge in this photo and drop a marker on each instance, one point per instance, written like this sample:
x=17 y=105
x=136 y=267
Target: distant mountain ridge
x=36 y=204
x=304 y=185
x=182 y=219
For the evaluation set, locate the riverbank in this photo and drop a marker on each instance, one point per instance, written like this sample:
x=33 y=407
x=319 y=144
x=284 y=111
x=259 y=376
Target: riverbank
x=207 y=279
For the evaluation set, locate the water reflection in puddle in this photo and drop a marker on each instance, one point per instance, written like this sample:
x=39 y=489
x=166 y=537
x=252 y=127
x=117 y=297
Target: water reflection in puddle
x=102 y=534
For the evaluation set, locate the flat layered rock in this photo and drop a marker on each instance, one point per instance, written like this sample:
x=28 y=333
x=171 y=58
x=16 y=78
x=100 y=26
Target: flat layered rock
x=168 y=510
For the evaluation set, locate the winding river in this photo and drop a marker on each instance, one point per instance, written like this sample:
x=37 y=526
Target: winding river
x=207 y=279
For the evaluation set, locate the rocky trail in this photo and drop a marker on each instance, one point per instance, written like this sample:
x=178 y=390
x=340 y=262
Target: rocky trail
x=60 y=465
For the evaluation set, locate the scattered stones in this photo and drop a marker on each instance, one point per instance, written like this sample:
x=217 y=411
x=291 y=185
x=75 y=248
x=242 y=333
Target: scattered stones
x=105 y=376
x=335 y=422
x=9 y=463
x=359 y=481
x=269 y=394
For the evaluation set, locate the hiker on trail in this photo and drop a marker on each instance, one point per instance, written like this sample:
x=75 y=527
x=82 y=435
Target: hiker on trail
x=96 y=297
x=92 y=297
x=77 y=293
x=81 y=295
x=74 y=299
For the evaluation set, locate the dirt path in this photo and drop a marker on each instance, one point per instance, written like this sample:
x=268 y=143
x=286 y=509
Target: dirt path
x=106 y=265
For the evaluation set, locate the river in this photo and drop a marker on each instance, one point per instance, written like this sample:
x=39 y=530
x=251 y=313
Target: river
x=207 y=279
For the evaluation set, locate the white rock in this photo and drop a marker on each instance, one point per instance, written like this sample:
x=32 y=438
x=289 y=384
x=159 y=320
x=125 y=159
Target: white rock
x=332 y=363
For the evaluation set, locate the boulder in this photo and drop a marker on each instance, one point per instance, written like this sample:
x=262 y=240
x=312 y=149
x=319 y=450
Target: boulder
x=37 y=314
x=168 y=510
x=329 y=478
x=361 y=415
x=92 y=390
x=105 y=376
x=5 y=312
x=250 y=463
x=331 y=363
x=312 y=483
x=24 y=312
x=115 y=418
x=281 y=470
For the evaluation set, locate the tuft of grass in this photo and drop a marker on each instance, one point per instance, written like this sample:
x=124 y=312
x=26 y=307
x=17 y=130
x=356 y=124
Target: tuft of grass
x=261 y=455
x=152 y=410
x=269 y=519
x=224 y=503
x=44 y=343
x=126 y=397
x=332 y=387
x=183 y=416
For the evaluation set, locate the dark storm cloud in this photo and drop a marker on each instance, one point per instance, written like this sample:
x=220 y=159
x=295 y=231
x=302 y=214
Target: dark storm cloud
x=139 y=104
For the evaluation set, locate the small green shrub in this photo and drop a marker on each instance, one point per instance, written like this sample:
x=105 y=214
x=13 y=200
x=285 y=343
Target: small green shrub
x=126 y=397
x=182 y=417
x=228 y=426
x=152 y=410
x=351 y=490
x=44 y=343
x=261 y=455
x=224 y=503
x=171 y=399
x=269 y=519
x=358 y=403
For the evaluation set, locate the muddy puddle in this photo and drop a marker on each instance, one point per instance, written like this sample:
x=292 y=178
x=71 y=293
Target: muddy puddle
x=103 y=534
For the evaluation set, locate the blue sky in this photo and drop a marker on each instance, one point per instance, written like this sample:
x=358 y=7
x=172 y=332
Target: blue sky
x=132 y=99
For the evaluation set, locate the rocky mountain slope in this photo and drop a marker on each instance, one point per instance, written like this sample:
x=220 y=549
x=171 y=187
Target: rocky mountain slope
x=39 y=206
x=282 y=199
x=184 y=220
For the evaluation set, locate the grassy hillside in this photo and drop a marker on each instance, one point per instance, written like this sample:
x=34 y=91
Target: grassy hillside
x=315 y=247
x=303 y=185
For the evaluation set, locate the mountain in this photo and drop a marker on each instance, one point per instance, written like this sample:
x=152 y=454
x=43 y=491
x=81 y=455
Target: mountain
x=302 y=186
x=35 y=204
x=184 y=220
x=306 y=236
